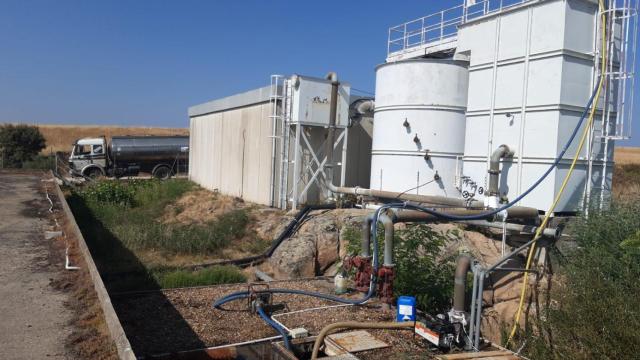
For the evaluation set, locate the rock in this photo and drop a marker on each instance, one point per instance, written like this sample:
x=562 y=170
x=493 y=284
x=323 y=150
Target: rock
x=295 y=257
x=327 y=243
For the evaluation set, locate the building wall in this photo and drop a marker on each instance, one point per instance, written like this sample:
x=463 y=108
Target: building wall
x=231 y=152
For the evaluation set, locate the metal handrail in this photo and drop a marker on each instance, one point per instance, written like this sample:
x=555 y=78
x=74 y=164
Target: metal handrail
x=438 y=27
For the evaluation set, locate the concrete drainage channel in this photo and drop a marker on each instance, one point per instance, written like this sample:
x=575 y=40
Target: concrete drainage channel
x=116 y=331
x=259 y=348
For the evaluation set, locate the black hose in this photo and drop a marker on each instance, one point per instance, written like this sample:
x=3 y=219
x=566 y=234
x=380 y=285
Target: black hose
x=284 y=235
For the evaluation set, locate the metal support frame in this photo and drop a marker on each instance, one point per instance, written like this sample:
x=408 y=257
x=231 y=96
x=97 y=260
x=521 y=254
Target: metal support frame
x=479 y=275
x=298 y=159
x=314 y=167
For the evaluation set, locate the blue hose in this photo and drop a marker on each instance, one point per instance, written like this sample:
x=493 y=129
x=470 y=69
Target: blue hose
x=244 y=294
x=276 y=326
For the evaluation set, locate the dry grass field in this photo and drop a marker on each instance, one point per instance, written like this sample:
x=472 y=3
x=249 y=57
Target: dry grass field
x=627 y=155
x=60 y=137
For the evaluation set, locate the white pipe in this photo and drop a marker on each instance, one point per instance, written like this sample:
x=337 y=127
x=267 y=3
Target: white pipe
x=67 y=262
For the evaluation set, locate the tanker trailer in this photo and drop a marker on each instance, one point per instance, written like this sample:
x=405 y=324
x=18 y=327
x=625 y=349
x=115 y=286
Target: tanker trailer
x=160 y=156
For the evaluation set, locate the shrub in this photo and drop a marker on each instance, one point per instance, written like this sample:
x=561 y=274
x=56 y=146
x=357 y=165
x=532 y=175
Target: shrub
x=19 y=143
x=593 y=310
x=420 y=271
x=108 y=191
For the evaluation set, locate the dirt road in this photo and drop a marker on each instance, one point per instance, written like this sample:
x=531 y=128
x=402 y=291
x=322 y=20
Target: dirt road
x=34 y=320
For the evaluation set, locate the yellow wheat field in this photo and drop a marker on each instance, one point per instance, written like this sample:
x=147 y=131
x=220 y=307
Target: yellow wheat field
x=60 y=137
x=627 y=155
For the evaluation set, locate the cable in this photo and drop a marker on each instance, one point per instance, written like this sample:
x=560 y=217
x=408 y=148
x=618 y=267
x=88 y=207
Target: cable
x=273 y=324
x=566 y=178
x=362 y=91
x=417 y=187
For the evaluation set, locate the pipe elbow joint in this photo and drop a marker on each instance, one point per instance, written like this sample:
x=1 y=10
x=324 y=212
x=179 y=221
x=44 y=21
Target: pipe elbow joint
x=502 y=151
x=332 y=76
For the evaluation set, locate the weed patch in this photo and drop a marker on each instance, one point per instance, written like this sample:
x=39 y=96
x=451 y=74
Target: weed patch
x=214 y=275
x=121 y=221
x=592 y=310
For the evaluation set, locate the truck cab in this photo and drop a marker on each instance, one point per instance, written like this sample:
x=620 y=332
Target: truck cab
x=89 y=157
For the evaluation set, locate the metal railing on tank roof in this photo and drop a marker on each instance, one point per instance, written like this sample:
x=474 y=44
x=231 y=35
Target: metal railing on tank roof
x=442 y=26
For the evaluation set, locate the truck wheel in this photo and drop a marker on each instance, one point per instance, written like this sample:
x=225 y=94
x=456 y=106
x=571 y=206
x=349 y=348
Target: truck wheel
x=162 y=173
x=93 y=173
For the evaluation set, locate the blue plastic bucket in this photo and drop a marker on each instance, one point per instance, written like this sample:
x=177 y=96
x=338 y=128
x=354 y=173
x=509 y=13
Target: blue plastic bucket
x=406 y=309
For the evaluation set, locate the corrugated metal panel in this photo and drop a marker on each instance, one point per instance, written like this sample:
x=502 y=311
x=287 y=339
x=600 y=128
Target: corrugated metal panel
x=231 y=152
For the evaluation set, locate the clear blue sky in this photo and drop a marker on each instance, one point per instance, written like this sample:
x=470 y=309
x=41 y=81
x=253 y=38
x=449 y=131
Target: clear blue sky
x=145 y=62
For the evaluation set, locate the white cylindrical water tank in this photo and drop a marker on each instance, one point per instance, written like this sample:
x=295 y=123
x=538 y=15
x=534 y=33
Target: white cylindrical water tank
x=419 y=126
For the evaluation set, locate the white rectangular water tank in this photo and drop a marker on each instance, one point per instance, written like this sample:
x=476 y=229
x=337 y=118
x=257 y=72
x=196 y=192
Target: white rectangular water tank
x=312 y=99
x=531 y=74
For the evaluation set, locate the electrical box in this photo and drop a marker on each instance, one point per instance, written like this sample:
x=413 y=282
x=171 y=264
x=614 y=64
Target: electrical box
x=311 y=102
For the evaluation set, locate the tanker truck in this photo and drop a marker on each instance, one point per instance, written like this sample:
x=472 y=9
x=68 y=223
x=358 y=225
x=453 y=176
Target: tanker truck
x=160 y=156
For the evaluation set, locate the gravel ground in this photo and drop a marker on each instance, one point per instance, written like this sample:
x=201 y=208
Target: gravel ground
x=402 y=343
x=182 y=319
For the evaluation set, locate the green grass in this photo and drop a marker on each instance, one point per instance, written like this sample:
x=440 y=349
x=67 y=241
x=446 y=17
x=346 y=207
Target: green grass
x=214 y=275
x=130 y=210
x=121 y=221
x=40 y=162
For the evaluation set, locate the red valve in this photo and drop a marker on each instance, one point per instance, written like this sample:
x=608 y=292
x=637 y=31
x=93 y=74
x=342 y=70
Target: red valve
x=363 y=271
x=386 y=275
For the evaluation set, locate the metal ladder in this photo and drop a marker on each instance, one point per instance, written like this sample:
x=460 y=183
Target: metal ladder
x=285 y=129
x=276 y=116
x=617 y=102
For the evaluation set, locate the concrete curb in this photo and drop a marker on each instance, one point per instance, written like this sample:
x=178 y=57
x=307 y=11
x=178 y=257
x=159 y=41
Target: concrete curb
x=113 y=323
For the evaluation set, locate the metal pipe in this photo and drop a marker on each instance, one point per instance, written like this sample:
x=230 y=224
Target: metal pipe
x=333 y=111
x=419 y=216
x=502 y=151
x=474 y=300
x=388 y=223
x=366 y=236
x=463 y=266
x=523 y=229
x=361 y=108
x=480 y=291
x=403 y=216
x=389 y=230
